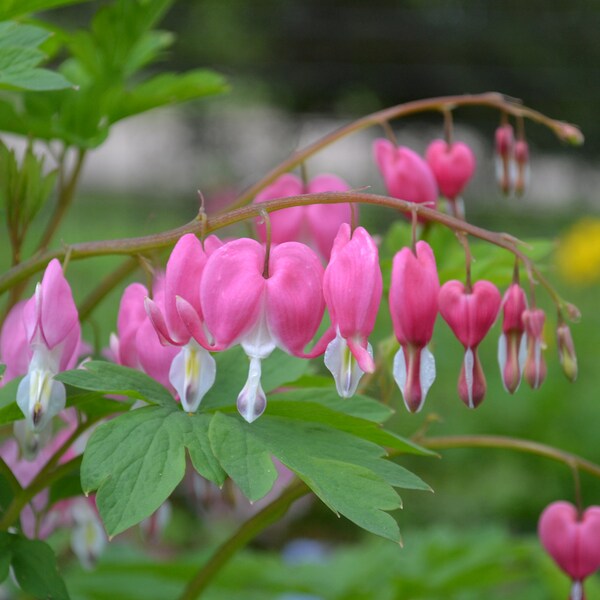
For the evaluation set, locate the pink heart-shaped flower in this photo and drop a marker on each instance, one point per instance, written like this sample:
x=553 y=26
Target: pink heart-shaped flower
x=453 y=166
x=573 y=542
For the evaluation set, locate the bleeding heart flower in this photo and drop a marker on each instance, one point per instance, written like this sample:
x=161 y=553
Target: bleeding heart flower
x=261 y=310
x=573 y=541
x=535 y=365
x=315 y=223
x=407 y=176
x=352 y=287
x=512 y=344
x=180 y=320
x=522 y=163
x=470 y=316
x=414 y=307
x=453 y=166
x=53 y=334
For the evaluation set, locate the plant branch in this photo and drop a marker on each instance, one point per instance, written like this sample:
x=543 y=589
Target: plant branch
x=497 y=441
x=565 y=131
x=140 y=245
x=247 y=532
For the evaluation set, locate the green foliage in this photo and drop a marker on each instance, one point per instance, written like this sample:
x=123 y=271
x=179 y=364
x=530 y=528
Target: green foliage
x=104 y=64
x=20 y=56
x=14 y=8
x=34 y=565
x=136 y=460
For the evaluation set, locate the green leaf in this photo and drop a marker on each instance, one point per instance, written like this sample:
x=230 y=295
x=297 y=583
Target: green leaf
x=34 y=79
x=68 y=486
x=2 y=369
x=167 y=89
x=357 y=406
x=242 y=456
x=9 y=410
x=108 y=378
x=96 y=405
x=5 y=554
x=23 y=36
x=136 y=460
x=34 y=566
x=315 y=412
x=14 y=8
x=357 y=493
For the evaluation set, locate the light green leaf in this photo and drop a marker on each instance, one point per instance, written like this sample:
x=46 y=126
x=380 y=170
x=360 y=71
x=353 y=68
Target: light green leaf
x=167 y=89
x=36 y=80
x=242 y=456
x=25 y=36
x=34 y=566
x=14 y=8
x=102 y=376
x=136 y=460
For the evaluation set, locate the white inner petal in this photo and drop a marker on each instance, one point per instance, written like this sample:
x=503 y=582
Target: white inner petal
x=426 y=371
x=469 y=362
x=192 y=374
x=343 y=366
x=399 y=370
x=252 y=401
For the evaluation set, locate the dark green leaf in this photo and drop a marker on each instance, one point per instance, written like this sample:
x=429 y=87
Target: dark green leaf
x=67 y=486
x=9 y=410
x=34 y=566
x=318 y=413
x=102 y=376
x=136 y=460
x=357 y=406
x=242 y=456
x=2 y=369
x=96 y=405
x=5 y=554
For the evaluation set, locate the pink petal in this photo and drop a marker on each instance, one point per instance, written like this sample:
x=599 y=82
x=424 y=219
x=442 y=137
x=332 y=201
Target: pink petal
x=155 y=359
x=231 y=291
x=287 y=223
x=294 y=300
x=453 y=166
x=15 y=352
x=414 y=294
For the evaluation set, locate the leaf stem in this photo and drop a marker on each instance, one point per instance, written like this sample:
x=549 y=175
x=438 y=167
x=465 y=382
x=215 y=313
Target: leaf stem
x=247 y=532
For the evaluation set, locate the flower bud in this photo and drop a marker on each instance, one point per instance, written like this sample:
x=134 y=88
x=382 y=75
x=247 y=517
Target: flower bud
x=535 y=365
x=453 y=166
x=512 y=342
x=522 y=162
x=505 y=140
x=572 y=540
x=470 y=315
x=566 y=351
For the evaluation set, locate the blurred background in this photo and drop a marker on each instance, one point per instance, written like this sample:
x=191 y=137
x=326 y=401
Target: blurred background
x=301 y=68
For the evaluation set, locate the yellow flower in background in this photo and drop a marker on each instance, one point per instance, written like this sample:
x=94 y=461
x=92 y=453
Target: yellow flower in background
x=578 y=253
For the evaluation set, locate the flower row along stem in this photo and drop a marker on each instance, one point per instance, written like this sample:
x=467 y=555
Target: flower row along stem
x=564 y=131
x=140 y=245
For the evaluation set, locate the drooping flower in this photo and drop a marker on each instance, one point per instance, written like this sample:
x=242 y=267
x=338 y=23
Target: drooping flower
x=573 y=541
x=453 y=166
x=470 y=315
x=54 y=336
x=261 y=309
x=352 y=287
x=407 y=176
x=512 y=344
x=535 y=366
x=15 y=351
x=315 y=224
x=180 y=321
x=414 y=294
x=522 y=166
